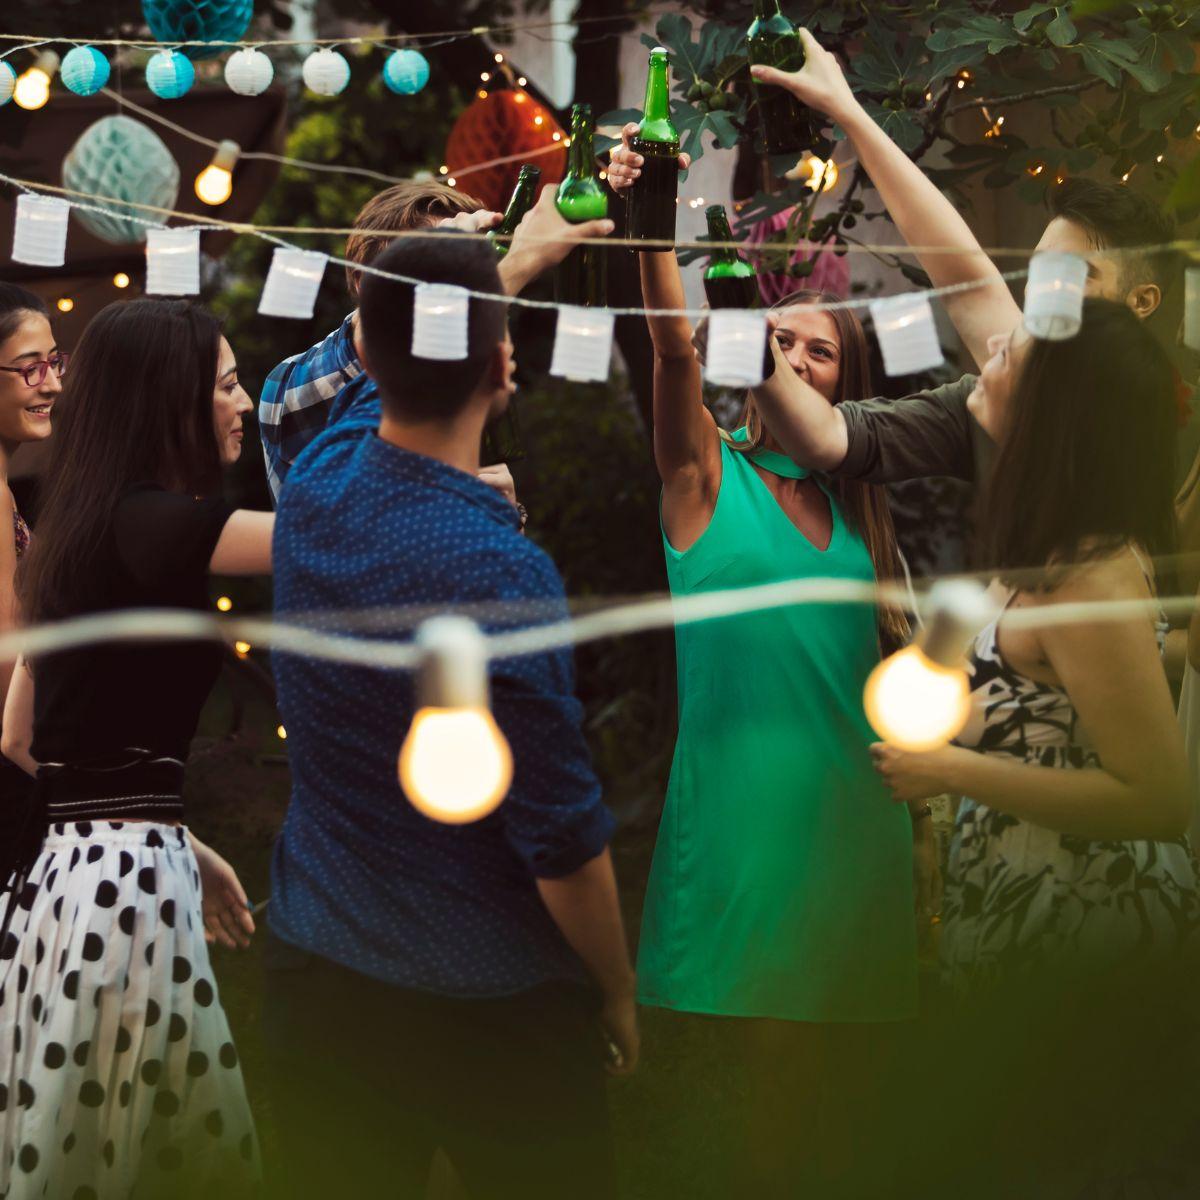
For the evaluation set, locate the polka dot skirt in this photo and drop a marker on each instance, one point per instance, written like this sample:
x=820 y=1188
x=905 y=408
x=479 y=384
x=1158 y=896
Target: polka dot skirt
x=118 y=1074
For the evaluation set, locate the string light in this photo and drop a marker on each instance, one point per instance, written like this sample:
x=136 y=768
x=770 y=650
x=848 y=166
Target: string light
x=224 y=604
x=214 y=185
x=33 y=86
x=737 y=341
x=498 y=57
x=1191 y=308
x=1035 y=168
x=538 y=119
x=556 y=136
x=485 y=75
x=40 y=232
x=440 y=322
x=1060 y=179
x=919 y=698
x=249 y=72
x=293 y=280
x=822 y=175
x=963 y=78
x=1054 y=295
x=907 y=334
x=482 y=94
x=443 y=169
x=64 y=304
x=452 y=182
x=455 y=765
x=281 y=733
x=522 y=81
x=520 y=97
x=120 y=280
x=242 y=648
x=582 y=344
x=172 y=262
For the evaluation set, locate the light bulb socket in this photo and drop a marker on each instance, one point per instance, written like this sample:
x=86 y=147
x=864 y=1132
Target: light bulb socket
x=957 y=609
x=48 y=62
x=226 y=155
x=454 y=658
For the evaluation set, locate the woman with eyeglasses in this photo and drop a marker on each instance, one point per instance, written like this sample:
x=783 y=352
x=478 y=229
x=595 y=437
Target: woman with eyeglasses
x=31 y=369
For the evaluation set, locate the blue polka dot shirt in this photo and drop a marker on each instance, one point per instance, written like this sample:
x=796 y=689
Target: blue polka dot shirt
x=358 y=875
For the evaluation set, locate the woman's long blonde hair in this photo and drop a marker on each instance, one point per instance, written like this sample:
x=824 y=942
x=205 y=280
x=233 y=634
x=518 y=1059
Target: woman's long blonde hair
x=864 y=504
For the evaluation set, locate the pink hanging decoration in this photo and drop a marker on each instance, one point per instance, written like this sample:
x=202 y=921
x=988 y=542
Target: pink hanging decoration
x=830 y=274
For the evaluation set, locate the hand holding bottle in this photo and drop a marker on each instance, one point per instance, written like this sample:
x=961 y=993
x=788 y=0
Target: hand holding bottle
x=625 y=163
x=543 y=239
x=819 y=84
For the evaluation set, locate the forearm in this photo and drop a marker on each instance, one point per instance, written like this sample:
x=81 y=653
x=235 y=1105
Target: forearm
x=585 y=908
x=1089 y=803
x=810 y=429
x=662 y=287
x=518 y=268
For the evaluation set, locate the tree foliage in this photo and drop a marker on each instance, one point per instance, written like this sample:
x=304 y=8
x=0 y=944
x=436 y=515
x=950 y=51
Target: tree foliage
x=1115 y=80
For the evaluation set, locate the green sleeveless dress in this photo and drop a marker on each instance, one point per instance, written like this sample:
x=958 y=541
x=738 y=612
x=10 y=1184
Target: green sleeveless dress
x=782 y=877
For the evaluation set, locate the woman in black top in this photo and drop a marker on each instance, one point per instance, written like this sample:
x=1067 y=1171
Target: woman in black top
x=123 y=1077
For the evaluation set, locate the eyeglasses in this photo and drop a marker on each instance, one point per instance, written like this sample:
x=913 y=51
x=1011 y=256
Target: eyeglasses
x=34 y=373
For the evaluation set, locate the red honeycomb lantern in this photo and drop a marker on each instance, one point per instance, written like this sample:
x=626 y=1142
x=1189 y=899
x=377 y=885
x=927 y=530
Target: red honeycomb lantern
x=497 y=124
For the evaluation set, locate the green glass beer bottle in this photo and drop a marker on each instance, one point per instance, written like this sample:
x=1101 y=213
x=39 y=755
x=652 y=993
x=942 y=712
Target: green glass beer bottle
x=651 y=202
x=582 y=276
x=729 y=280
x=785 y=126
x=521 y=201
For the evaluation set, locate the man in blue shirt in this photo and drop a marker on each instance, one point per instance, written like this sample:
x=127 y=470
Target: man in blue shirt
x=429 y=984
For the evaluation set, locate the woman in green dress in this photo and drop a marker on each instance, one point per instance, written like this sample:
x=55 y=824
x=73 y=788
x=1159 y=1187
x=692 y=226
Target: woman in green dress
x=781 y=890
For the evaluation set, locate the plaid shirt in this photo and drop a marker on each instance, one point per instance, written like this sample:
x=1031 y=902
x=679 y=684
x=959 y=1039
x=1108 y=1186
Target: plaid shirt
x=297 y=396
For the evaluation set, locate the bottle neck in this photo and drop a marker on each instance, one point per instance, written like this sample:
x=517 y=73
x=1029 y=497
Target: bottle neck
x=764 y=10
x=658 y=105
x=718 y=231
x=582 y=156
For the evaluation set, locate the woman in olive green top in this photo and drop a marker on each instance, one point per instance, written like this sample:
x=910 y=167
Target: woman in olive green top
x=781 y=886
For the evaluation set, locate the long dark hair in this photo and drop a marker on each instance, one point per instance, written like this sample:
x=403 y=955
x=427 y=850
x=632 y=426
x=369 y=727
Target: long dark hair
x=16 y=303
x=864 y=504
x=1088 y=453
x=137 y=407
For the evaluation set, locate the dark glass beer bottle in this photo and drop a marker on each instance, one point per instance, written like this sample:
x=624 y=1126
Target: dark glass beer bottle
x=651 y=201
x=502 y=438
x=521 y=201
x=729 y=280
x=785 y=126
x=582 y=276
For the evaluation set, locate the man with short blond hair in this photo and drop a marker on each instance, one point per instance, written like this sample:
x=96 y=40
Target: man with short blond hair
x=300 y=393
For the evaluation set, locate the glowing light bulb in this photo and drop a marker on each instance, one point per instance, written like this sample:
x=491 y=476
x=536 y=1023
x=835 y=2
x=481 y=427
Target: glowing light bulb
x=451 y=181
x=482 y=93
x=556 y=137
x=281 y=733
x=603 y=174
x=520 y=97
x=224 y=604
x=443 y=169
x=498 y=57
x=214 y=185
x=243 y=648
x=522 y=81
x=455 y=765
x=64 y=304
x=1035 y=168
x=538 y=119
x=120 y=280
x=33 y=85
x=485 y=75
x=920 y=698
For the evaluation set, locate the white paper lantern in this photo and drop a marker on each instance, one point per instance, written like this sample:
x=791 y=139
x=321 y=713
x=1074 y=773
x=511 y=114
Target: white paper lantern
x=440 y=312
x=292 y=282
x=737 y=340
x=582 y=344
x=326 y=72
x=172 y=262
x=40 y=232
x=1054 y=295
x=1191 y=308
x=249 y=72
x=907 y=336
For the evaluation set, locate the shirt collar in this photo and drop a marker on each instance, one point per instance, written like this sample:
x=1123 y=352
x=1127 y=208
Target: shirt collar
x=422 y=470
x=343 y=346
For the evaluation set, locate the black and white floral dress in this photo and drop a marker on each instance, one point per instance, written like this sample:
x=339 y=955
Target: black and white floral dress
x=1022 y=897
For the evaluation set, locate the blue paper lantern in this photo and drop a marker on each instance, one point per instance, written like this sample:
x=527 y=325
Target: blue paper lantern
x=218 y=21
x=122 y=160
x=406 y=72
x=85 y=70
x=8 y=82
x=169 y=74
